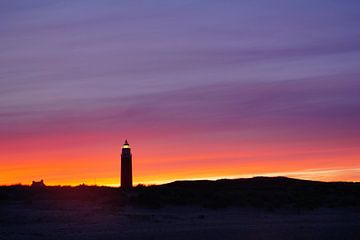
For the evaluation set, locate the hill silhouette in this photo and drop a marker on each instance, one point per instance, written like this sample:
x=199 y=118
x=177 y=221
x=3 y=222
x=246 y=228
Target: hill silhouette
x=258 y=192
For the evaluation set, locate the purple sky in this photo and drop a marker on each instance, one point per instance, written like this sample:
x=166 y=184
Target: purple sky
x=234 y=71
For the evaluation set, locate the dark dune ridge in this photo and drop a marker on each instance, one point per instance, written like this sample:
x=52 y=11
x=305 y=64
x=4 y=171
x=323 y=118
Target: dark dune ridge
x=259 y=208
x=259 y=192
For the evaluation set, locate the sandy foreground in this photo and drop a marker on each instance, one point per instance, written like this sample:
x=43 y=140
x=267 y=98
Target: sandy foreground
x=84 y=220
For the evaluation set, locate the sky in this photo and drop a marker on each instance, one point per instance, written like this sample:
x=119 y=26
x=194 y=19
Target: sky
x=201 y=90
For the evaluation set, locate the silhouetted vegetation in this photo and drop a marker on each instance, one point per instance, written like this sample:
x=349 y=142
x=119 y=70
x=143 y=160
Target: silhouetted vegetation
x=260 y=192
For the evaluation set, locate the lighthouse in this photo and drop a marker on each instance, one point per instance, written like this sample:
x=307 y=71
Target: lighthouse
x=126 y=167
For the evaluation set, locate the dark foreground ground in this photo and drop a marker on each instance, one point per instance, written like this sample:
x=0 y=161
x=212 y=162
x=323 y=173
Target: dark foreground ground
x=259 y=208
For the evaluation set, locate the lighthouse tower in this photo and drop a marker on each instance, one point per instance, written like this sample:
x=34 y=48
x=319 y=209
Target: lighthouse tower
x=126 y=167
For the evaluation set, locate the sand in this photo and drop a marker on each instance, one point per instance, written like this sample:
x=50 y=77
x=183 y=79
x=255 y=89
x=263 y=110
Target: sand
x=86 y=220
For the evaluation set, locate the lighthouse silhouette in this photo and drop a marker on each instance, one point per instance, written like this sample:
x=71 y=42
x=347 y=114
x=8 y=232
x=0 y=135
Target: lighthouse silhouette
x=126 y=167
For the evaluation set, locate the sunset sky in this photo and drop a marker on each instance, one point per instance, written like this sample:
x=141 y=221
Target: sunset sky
x=201 y=90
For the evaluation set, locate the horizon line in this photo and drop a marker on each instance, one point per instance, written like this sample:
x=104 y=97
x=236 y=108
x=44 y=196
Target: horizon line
x=181 y=180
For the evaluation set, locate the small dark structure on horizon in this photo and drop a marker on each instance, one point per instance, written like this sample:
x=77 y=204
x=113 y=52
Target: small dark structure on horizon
x=126 y=167
x=39 y=184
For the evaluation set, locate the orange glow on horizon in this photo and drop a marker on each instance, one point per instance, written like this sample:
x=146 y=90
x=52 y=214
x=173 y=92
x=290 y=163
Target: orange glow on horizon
x=72 y=163
x=91 y=171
